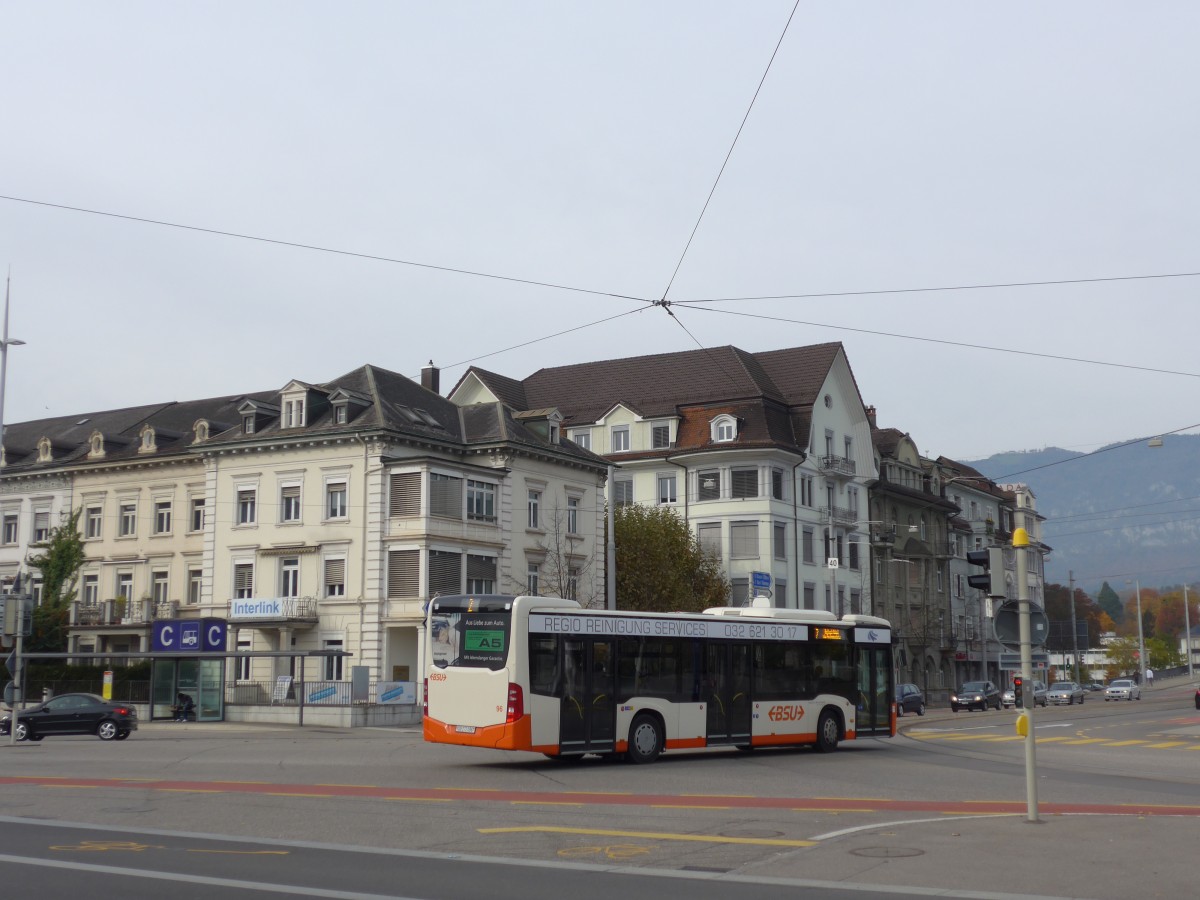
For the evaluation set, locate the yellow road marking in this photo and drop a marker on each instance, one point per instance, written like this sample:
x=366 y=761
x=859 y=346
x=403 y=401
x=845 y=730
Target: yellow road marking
x=653 y=835
x=1165 y=745
x=1125 y=743
x=683 y=806
x=543 y=803
x=1088 y=741
x=826 y=809
x=1000 y=740
x=1052 y=740
x=419 y=799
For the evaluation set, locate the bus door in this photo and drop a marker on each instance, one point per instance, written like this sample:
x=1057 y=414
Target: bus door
x=588 y=719
x=874 y=689
x=727 y=692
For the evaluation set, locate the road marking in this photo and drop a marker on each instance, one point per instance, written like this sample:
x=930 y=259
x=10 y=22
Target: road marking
x=652 y=835
x=1125 y=743
x=1088 y=741
x=1165 y=744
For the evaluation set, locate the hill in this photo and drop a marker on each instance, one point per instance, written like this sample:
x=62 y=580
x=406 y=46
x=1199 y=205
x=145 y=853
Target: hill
x=1123 y=512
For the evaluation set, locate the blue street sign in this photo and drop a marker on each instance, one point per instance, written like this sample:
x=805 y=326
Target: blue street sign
x=761 y=579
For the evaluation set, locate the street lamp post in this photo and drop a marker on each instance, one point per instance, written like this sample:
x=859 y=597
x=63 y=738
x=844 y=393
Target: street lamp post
x=5 y=343
x=1137 y=586
x=1187 y=630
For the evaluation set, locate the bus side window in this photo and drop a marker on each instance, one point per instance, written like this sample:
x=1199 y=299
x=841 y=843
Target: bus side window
x=544 y=675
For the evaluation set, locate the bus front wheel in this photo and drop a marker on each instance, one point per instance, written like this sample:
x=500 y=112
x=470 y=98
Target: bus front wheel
x=828 y=733
x=645 y=739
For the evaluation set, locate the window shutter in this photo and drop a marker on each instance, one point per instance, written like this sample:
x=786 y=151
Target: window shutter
x=243 y=578
x=744 y=539
x=405 y=499
x=403 y=573
x=481 y=568
x=445 y=572
x=335 y=575
x=745 y=482
x=445 y=496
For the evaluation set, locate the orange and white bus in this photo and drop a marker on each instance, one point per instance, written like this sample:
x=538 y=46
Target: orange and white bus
x=545 y=675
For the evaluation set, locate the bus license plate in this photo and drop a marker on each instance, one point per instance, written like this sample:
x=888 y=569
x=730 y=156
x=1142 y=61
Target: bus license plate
x=465 y=729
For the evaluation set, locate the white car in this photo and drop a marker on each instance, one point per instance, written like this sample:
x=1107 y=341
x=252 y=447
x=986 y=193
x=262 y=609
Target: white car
x=1123 y=689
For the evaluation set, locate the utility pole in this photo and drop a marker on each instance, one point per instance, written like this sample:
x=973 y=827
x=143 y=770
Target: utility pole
x=1020 y=540
x=1074 y=636
x=1187 y=629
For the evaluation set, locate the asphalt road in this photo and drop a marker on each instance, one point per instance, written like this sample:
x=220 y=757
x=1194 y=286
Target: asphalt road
x=941 y=808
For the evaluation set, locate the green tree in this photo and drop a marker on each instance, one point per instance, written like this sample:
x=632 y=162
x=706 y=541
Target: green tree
x=59 y=563
x=660 y=564
x=1110 y=602
x=1122 y=655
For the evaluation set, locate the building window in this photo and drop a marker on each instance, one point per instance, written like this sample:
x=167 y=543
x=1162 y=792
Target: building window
x=445 y=496
x=404 y=494
x=779 y=541
x=244 y=645
x=573 y=584
x=335 y=500
x=246 y=501
x=293 y=414
x=666 y=489
x=481 y=574
x=708 y=485
x=660 y=435
x=341 y=414
x=583 y=439
x=162 y=517
x=572 y=515
x=128 y=526
x=404 y=573
x=11 y=529
x=743 y=540
x=445 y=572
x=806 y=490
x=195 y=585
x=335 y=578
x=93 y=522
x=852 y=550
x=723 y=429
x=740 y=595
x=481 y=501
x=41 y=526
x=159 y=585
x=806 y=545
x=709 y=538
x=333 y=664
x=743 y=483
x=777 y=485
x=91 y=590
x=622 y=491
x=243 y=581
x=197 y=523
x=531 y=579
x=248 y=424
x=125 y=585
x=289 y=576
x=535 y=503
x=620 y=438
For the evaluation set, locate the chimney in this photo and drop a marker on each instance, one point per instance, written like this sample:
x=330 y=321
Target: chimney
x=430 y=379
x=871 y=416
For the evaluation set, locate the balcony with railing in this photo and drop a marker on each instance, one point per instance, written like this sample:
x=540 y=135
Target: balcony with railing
x=837 y=465
x=839 y=515
x=117 y=611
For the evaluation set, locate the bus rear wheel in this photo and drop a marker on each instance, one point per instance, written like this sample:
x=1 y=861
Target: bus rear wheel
x=828 y=733
x=645 y=739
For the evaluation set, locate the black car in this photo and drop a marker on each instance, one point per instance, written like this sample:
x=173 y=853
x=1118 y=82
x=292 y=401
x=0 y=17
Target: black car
x=909 y=699
x=74 y=714
x=975 y=695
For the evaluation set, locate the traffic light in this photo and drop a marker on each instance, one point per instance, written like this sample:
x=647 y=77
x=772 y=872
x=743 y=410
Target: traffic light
x=991 y=580
x=1019 y=692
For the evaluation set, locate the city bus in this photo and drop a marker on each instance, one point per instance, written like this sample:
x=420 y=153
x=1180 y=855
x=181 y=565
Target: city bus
x=545 y=675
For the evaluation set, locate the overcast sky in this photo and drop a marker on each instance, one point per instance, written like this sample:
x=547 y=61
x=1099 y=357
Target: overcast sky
x=892 y=146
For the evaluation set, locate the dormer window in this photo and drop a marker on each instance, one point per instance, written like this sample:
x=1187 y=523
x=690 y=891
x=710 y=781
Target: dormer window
x=200 y=429
x=293 y=413
x=553 y=433
x=341 y=414
x=248 y=424
x=96 y=445
x=44 y=450
x=147 y=440
x=723 y=429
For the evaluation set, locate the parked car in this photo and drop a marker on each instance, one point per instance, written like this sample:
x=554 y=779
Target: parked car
x=909 y=699
x=1065 y=693
x=975 y=695
x=1035 y=694
x=74 y=714
x=1122 y=689
x=1093 y=686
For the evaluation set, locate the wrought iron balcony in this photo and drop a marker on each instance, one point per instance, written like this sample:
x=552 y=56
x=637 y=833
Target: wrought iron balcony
x=836 y=465
x=839 y=515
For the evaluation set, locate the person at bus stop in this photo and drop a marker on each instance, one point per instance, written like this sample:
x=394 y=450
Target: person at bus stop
x=184 y=705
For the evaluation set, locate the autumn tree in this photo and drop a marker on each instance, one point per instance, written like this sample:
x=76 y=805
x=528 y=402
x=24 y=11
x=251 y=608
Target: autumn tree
x=59 y=563
x=661 y=566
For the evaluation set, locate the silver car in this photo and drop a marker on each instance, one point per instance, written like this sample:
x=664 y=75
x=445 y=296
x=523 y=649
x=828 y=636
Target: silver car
x=1123 y=689
x=1065 y=693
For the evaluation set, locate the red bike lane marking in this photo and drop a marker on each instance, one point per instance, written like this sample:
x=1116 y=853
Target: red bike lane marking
x=708 y=801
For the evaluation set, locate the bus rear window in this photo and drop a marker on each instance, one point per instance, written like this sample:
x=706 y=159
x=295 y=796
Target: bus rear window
x=474 y=639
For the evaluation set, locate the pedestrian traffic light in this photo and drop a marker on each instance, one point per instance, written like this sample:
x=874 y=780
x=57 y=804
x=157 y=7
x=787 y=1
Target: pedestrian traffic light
x=991 y=580
x=1019 y=692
